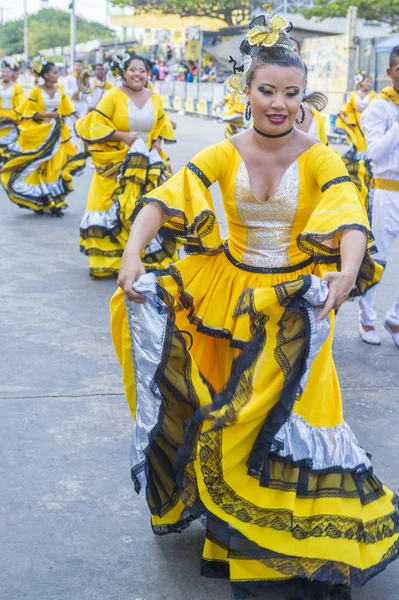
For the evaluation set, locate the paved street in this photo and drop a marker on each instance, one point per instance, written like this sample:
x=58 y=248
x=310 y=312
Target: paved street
x=71 y=525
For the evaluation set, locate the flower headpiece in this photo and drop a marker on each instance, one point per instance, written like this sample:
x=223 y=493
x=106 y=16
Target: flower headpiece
x=360 y=77
x=119 y=61
x=266 y=31
x=11 y=63
x=38 y=64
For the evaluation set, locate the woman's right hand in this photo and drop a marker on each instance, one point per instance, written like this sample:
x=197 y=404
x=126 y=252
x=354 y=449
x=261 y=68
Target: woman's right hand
x=131 y=270
x=129 y=138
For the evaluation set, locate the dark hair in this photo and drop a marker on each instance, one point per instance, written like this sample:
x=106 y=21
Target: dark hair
x=137 y=57
x=280 y=57
x=393 y=56
x=46 y=69
x=98 y=65
x=78 y=60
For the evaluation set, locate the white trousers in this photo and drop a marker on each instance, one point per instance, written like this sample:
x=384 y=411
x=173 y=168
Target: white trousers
x=385 y=225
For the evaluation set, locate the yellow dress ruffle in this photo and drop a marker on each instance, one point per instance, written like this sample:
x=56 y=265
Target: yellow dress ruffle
x=231 y=418
x=122 y=175
x=48 y=148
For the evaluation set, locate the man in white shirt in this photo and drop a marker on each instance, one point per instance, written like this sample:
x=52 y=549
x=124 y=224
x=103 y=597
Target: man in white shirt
x=100 y=85
x=380 y=124
x=78 y=98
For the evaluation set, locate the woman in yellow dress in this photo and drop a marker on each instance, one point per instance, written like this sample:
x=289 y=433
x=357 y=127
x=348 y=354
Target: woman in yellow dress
x=42 y=161
x=11 y=95
x=233 y=114
x=124 y=133
x=356 y=159
x=235 y=396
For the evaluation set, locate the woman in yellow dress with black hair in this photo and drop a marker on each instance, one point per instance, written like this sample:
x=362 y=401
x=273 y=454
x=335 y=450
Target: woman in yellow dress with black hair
x=42 y=161
x=356 y=159
x=124 y=133
x=11 y=96
x=227 y=359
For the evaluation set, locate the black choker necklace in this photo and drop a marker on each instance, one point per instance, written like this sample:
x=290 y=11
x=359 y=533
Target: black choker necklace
x=266 y=135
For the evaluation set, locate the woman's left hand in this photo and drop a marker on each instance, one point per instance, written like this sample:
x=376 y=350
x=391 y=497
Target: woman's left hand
x=341 y=285
x=157 y=145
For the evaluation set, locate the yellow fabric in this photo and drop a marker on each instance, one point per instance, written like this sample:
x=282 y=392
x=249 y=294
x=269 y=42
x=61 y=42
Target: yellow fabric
x=46 y=187
x=105 y=248
x=391 y=185
x=205 y=290
x=389 y=93
x=233 y=114
x=321 y=126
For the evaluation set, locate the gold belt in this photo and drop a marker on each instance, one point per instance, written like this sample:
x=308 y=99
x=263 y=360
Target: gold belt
x=391 y=185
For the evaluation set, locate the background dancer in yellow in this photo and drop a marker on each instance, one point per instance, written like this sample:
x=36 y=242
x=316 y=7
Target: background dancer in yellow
x=124 y=133
x=356 y=159
x=42 y=161
x=237 y=404
x=11 y=95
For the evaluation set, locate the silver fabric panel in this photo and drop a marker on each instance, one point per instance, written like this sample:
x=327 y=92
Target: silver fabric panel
x=315 y=296
x=323 y=447
x=326 y=447
x=101 y=218
x=147 y=326
x=268 y=224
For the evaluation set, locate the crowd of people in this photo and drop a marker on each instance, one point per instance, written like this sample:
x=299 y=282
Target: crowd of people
x=226 y=353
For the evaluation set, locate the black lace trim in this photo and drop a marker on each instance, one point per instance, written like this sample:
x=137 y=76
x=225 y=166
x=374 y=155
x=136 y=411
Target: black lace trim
x=252 y=269
x=200 y=174
x=315 y=239
x=336 y=181
x=98 y=252
x=188 y=303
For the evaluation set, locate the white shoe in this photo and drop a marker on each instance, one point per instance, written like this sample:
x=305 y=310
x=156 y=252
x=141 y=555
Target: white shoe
x=394 y=334
x=370 y=337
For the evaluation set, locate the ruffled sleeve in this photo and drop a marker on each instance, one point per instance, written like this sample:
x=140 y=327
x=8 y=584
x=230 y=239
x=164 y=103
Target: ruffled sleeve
x=66 y=108
x=340 y=208
x=187 y=200
x=18 y=96
x=32 y=105
x=97 y=125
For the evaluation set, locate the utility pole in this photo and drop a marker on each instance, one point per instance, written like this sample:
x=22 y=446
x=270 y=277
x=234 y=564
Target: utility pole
x=2 y=10
x=26 y=49
x=73 y=31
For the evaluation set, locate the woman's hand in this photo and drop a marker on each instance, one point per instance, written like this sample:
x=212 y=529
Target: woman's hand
x=131 y=270
x=341 y=285
x=129 y=138
x=157 y=145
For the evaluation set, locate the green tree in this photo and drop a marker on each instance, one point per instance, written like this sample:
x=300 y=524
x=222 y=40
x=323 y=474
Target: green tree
x=375 y=10
x=48 y=28
x=231 y=11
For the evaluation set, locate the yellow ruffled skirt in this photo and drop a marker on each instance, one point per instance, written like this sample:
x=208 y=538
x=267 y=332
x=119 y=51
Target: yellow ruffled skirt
x=118 y=182
x=40 y=166
x=238 y=416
